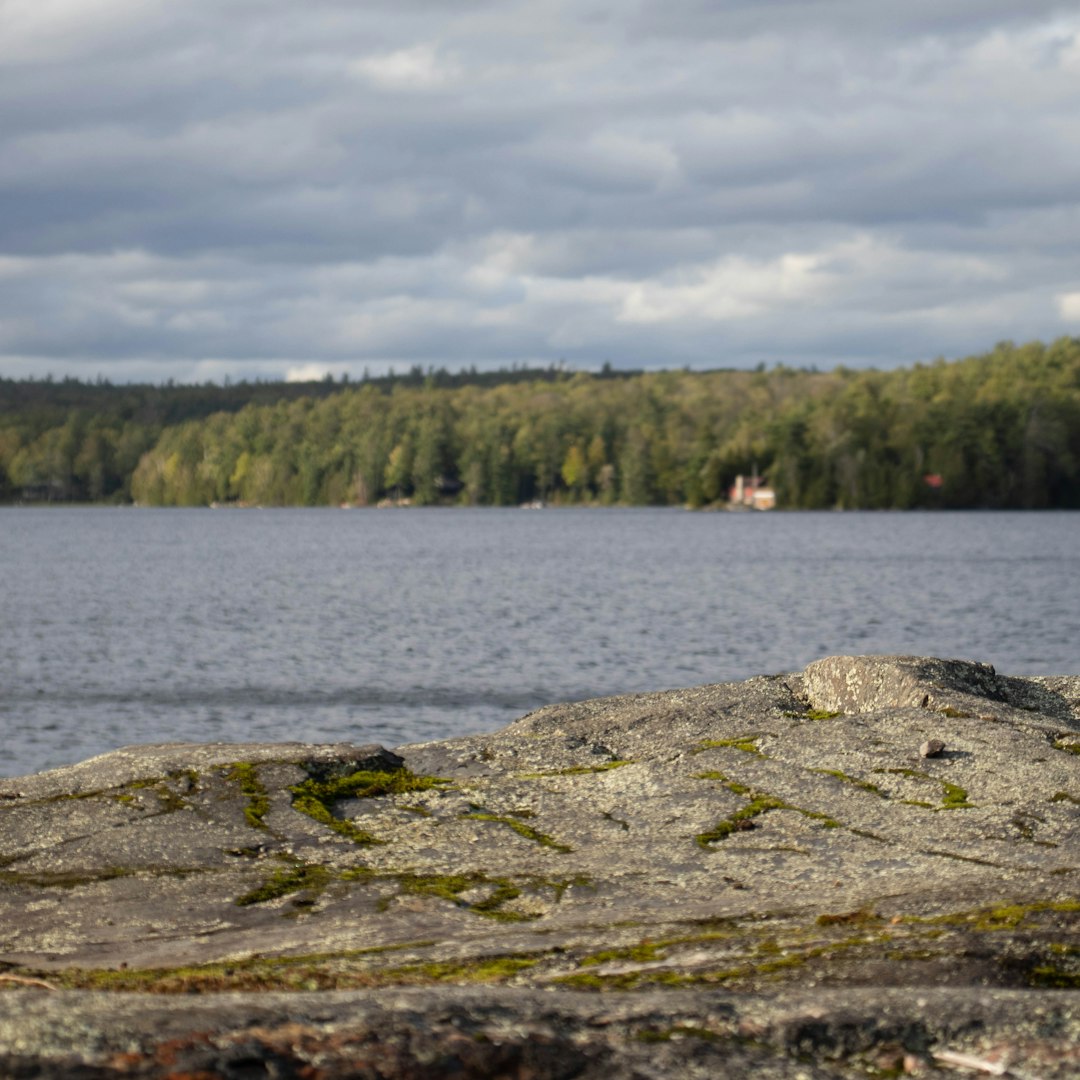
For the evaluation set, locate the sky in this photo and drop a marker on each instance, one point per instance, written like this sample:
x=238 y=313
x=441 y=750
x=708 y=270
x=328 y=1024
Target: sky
x=267 y=189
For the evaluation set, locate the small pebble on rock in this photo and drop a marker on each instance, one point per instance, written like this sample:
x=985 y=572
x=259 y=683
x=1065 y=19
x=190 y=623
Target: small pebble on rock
x=931 y=748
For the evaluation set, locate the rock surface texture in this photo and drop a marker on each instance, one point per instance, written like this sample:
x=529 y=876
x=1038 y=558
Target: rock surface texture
x=763 y=878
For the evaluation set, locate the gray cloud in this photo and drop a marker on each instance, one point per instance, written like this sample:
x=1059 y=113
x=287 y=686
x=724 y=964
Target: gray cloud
x=253 y=189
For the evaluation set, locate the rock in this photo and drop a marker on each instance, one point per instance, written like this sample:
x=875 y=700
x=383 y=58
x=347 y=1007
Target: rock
x=931 y=748
x=755 y=857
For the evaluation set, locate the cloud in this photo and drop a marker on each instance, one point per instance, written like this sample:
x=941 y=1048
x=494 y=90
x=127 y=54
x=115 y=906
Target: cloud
x=416 y=68
x=1069 y=306
x=255 y=190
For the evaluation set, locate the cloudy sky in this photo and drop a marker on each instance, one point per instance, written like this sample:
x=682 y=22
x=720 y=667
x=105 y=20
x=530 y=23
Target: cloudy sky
x=266 y=188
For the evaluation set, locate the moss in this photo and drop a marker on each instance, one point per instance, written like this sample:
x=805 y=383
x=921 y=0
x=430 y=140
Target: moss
x=912 y=774
x=821 y=714
x=1064 y=796
x=67 y=879
x=316 y=798
x=450 y=887
x=317 y=810
x=520 y=828
x=245 y=774
x=126 y=800
x=643 y=952
x=481 y=969
x=863 y=785
x=777 y=961
x=735 y=822
x=861 y=917
x=318 y=971
x=287 y=880
x=748 y=744
x=955 y=798
x=760 y=803
x=416 y=808
x=732 y=785
x=577 y=770
x=561 y=885
x=998 y=917
x=1070 y=745
x=1049 y=976
x=169 y=799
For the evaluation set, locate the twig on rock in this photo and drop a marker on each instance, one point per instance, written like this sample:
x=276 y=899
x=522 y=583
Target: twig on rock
x=22 y=980
x=969 y=1061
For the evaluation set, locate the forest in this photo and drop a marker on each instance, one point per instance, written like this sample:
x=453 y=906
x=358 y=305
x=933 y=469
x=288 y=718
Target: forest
x=998 y=430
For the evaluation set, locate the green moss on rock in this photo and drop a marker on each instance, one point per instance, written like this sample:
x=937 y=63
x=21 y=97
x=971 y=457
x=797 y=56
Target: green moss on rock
x=287 y=880
x=246 y=775
x=520 y=828
x=316 y=798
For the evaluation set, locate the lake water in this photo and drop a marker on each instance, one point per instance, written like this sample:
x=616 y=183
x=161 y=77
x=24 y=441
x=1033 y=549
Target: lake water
x=121 y=626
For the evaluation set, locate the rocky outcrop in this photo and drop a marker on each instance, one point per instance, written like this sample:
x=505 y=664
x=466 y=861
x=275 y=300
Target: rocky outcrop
x=765 y=877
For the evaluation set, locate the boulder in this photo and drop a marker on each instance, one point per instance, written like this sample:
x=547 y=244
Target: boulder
x=765 y=877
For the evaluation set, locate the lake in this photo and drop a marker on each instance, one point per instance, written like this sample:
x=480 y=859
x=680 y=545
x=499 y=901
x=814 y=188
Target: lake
x=122 y=626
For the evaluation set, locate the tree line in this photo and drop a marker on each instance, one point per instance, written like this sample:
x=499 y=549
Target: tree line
x=997 y=430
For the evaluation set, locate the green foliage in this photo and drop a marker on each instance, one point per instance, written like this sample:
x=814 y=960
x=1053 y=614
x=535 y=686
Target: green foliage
x=997 y=430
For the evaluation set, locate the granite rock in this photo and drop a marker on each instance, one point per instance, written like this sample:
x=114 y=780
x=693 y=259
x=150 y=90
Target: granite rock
x=762 y=877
